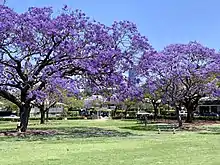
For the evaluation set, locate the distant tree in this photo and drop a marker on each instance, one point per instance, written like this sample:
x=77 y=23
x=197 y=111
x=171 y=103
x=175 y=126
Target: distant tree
x=153 y=92
x=74 y=103
x=183 y=73
x=45 y=104
x=7 y=105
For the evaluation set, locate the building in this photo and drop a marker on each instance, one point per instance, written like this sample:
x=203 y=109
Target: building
x=207 y=105
x=54 y=111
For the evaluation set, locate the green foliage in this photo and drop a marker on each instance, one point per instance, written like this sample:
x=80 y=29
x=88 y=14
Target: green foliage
x=148 y=107
x=7 y=105
x=132 y=104
x=73 y=103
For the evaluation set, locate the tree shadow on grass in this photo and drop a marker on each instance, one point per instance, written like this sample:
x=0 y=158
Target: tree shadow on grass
x=141 y=128
x=65 y=132
x=86 y=132
x=211 y=131
x=152 y=127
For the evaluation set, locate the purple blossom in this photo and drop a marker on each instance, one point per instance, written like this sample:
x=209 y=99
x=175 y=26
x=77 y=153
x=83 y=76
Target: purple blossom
x=43 y=54
x=181 y=72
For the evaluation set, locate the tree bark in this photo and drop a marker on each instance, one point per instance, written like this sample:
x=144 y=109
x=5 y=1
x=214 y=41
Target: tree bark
x=24 y=117
x=179 y=119
x=47 y=115
x=42 y=116
x=191 y=106
x=189 y=117
x=155 y=110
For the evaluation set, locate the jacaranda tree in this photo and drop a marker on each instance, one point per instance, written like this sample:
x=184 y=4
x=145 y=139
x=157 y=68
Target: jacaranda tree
x=182 y=72
x=51 y=94
x=39 y=47
x=153 y=92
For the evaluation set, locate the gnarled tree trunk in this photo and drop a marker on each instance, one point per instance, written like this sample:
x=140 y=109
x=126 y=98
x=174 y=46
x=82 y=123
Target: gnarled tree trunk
x=24 y=117
x=189 y=117
x=47 y=115
x=191 y=106
x=42 y=115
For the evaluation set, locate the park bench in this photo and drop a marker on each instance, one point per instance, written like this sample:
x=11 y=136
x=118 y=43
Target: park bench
x=166 y=127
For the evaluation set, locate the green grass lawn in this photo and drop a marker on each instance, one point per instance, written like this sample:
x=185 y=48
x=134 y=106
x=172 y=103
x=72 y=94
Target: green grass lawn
x=108 y=143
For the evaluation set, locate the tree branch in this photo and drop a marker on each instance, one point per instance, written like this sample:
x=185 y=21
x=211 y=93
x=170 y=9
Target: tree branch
x=10 y=97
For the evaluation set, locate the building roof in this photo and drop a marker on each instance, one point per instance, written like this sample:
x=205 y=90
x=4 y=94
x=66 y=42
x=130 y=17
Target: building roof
x=209 y=102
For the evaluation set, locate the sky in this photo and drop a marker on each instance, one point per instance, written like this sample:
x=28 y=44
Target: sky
x=164 y=22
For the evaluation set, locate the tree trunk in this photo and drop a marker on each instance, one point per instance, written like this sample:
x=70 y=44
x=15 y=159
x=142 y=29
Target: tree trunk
x=189 y=118
x=155 y=111
x=191 y=106
x=42 y=116
x=24 y=117
x=126 y=112
x=114 y=111
x=180 y=123
x=47 y=115
x=190 y=109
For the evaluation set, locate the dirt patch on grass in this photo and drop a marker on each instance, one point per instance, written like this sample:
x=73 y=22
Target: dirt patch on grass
x=195 y=123
x=202 y=122
x=68 y=132
x=199 y=125
x=29 y=133
x=195 y=126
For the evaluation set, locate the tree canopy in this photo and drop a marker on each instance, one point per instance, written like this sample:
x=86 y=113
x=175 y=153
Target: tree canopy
x=182 y=73
x=40 y=49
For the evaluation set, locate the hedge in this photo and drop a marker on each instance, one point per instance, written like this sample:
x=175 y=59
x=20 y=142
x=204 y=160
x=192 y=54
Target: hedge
x=8 y=119
x=208 y=118
x=50 y=118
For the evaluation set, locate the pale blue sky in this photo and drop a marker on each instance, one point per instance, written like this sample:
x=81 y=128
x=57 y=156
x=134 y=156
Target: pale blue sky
x=162 y=21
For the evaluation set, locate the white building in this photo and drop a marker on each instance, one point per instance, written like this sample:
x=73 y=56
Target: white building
x=207 y=105
x=55 y=111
